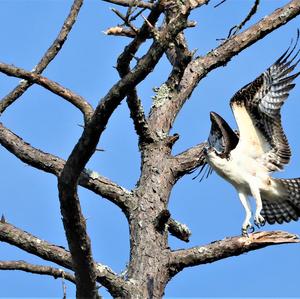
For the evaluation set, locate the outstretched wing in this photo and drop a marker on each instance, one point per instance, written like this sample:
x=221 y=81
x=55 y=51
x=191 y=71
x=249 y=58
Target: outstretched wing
x=256 y=108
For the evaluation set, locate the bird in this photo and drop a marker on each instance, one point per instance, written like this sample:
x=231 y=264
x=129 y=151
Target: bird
x=247 y=157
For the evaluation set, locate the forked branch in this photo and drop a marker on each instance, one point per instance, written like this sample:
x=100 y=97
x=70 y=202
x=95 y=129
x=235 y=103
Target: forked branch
x=52 y=86
x=53 y=164
x=47 y=58
x=163 y=116
x=123 y=67
x=73 y=220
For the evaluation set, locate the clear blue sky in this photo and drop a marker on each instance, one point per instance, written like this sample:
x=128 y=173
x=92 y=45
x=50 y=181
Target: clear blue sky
x=211 y=208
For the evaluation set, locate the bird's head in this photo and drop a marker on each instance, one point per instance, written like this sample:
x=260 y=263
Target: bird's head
x=222 y=139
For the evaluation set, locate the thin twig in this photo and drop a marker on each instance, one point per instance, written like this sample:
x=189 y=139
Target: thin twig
x=132 y=3
x=134 y=17
x=123 y=67
x=235 y=29
x=37 y=269
x=64 y=287
x=47 y=58
x=57 y=254
x=125 y=20
x=220 y=3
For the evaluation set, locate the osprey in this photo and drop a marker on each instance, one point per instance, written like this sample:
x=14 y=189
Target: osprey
x=247 y=157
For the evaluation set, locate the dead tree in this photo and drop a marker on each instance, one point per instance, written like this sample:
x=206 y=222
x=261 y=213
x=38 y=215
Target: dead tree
x=152 y=263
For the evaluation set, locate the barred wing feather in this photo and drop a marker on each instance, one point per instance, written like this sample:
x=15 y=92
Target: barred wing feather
x=256 y=108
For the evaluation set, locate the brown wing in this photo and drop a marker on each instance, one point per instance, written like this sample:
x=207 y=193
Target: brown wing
x=256 y=108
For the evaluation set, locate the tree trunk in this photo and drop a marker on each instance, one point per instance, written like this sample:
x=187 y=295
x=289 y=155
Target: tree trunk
x=148 y=232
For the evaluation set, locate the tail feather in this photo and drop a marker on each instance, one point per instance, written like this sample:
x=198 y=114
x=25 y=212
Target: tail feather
x=286 y=206
x=268 y=213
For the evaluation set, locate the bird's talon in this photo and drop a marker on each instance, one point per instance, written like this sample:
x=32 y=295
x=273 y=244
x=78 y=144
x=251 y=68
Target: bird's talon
x=259 y=221
x=247 y=229
x=245 y=233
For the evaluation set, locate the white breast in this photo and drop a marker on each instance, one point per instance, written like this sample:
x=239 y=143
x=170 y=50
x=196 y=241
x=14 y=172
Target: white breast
x=240 y=169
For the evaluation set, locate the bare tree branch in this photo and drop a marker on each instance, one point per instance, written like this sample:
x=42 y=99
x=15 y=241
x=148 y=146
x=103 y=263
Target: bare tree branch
x=132 y=3
x=163 y=116
x=59 y=255
x=179 y=230
x=52 y=86
x=228 y=247
x=120 y=31
x=188 y=160
x=73 y=220
x=92 y=131
x=78 y=239
x=123 y=67
x=37 y=269
x=137 y=114
x=31 y=244
x=53 y=164
x=220 y=3
x=197 y=3
x=125 y=20
x=47 y=58
x=152 y=264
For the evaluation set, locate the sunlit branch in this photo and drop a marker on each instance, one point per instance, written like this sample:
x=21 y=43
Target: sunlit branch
x=179 y=230
x=120 y=31
x=125 y=20
x=228 y=247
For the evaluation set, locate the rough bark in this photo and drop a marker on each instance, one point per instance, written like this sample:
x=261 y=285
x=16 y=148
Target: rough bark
x=152 y=263
x=36 y=269
x=226 y=248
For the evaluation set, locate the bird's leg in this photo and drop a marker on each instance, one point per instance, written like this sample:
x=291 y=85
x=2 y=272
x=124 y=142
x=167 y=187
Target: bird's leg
x=259 y=220
x=246 y=224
